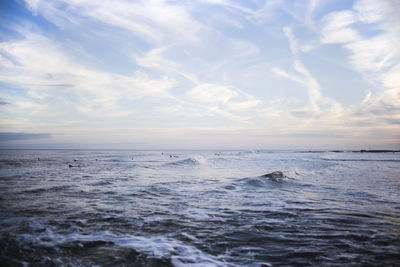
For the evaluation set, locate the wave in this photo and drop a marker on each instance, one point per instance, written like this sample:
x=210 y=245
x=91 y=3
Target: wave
x=17 y=162
x=276 y=176
x=153 y=250
x=266 y=179
x=100 y=183
x=18 y=173
x=188 y=162
x=254 y=181
x=49 y=189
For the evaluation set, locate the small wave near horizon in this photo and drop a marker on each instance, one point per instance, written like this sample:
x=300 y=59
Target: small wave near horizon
x=196 y=160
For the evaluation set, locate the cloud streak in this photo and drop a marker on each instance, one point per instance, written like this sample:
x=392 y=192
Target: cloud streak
x=304 y=77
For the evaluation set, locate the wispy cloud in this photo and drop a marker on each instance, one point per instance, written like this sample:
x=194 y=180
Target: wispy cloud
x=304 y=77
x=211 y=93
x=223 y=100
x=369 y=52
x=337 y=28
x=47 y=71
x=153 y=21
x=375 y=55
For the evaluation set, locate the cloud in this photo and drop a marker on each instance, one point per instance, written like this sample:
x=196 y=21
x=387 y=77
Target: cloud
x=243 y=49
x=10 y=136
x=305 y=78
x=370 y=11
x=225 y=96
x=60 y=80
x=258 y=12
x=211 y=93
x=225 y=101
x=46 y=71
x=373 y=54
x=337 y=28
x=229 y=4
x=292 y=40
x=368 y=52
x=391 y=78
x=157 y=59
x=244 y=104
x=153 y=21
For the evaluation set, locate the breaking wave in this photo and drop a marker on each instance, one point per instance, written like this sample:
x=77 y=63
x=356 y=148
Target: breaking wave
x=188 y=162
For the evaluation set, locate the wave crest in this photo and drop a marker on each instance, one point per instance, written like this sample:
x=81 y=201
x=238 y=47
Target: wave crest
x=188 y=162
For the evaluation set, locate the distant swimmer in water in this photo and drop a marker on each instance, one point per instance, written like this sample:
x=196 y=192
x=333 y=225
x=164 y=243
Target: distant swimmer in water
x=38 y=159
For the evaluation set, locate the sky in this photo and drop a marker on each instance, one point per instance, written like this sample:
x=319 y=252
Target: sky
x=192 y=74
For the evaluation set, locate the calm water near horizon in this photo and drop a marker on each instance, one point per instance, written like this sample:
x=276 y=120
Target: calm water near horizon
x=198 y=208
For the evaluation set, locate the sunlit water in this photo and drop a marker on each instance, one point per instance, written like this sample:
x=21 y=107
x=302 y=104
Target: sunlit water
x=198 y=208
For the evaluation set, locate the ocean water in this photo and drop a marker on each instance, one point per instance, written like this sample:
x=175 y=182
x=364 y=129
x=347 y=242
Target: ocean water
x=198 y=208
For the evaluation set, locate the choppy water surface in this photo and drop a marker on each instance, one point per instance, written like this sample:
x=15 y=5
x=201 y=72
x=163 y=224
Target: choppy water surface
x=198 y=208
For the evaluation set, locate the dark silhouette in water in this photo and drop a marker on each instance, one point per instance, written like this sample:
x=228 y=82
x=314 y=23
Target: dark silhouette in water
x=276 y=176
x=72 y=166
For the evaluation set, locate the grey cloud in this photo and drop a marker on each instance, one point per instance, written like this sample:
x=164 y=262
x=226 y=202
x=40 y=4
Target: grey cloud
x=393 y=121
x=60 y=85
x=315 y=135
x=3 y=102
x=384 y=109
x=4 y=136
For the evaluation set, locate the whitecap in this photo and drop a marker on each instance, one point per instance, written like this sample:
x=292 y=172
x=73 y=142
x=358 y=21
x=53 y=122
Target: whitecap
x=159 y=247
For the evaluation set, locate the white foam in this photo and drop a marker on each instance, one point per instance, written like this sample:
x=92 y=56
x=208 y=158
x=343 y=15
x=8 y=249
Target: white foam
x=181 y=254
x=200 y=159
x=196 y=214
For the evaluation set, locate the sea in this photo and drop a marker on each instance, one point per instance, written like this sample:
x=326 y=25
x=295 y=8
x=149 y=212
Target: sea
x=199 y=208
